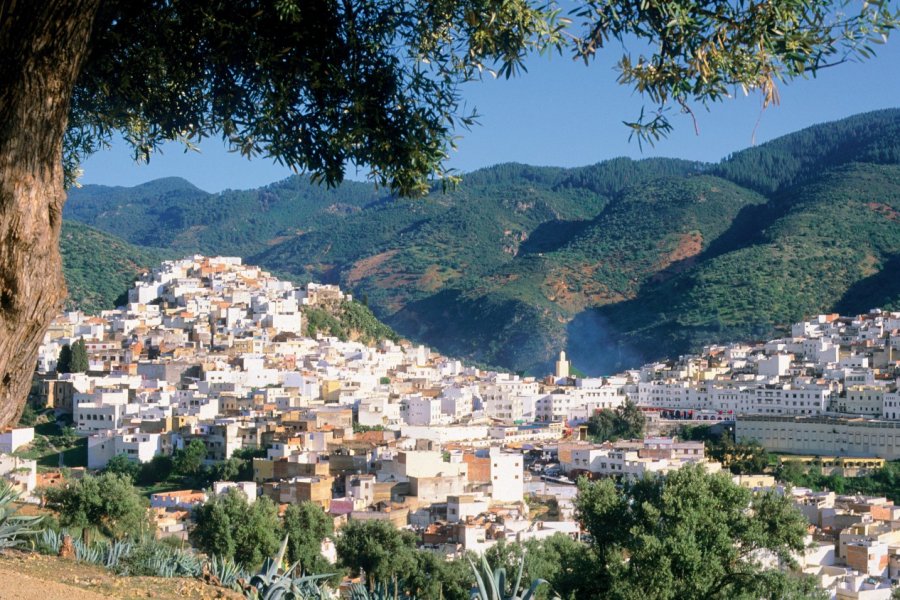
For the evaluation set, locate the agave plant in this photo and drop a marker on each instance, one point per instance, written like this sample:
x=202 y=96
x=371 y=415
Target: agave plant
x=14 y=529
x=492 y=583
x=49 y=541
x=226 y=571
x=171 y=562
x=115 y=552
x=269 y=584
x=149 y=557
x=93 y=554
x=381 y=591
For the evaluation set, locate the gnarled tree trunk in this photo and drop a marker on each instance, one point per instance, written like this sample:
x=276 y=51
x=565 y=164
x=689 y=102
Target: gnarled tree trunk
x=42 y=45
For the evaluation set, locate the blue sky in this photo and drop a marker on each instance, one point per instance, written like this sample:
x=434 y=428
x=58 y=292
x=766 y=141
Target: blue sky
x=565 y=114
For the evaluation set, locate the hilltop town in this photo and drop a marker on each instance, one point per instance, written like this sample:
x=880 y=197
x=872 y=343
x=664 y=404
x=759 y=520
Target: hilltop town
x=212 y=350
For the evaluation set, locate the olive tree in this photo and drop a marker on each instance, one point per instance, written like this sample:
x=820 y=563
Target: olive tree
x=690 y=534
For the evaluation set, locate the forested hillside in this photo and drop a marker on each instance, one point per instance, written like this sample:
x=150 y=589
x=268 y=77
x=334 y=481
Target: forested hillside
x=618 y=262
x=100 y=267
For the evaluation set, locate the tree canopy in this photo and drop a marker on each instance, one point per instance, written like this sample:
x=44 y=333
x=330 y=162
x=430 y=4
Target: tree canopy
x=188 y=461
x=375 y=83
x=228 y=526
x=79 y=361
x=688 y=535
x=108 y=503
x=377 y=548
x=624 y=422
x=307 y=526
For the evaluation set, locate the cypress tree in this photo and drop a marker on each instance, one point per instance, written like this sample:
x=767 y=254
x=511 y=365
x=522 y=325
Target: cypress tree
x=79 y=362
x=64 y=360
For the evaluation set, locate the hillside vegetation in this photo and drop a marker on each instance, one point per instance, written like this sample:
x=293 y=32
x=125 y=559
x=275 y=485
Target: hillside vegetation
x=618 y=262
x=100 y=267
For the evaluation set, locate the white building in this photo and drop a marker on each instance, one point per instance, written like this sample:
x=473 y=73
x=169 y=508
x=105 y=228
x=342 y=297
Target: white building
x=20 y=472
x=92 y=417
x=14 y=438
x=419 y=410
x=824 y=436
x=139 y=447
x=507 y=476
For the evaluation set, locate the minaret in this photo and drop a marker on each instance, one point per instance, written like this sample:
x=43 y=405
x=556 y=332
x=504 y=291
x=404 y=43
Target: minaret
x=562 y=366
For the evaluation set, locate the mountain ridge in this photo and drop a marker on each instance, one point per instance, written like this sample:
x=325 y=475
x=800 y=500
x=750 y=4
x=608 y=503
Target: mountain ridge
x=647 y=257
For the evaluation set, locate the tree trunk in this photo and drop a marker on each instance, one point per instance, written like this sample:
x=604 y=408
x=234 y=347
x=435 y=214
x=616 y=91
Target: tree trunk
x=42 y=45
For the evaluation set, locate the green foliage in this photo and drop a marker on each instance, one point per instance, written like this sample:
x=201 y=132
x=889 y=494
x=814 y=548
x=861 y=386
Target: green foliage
x=188 y=461
x=79 y=360
x=158 y=469
x=378 y=548
x=360 y=428
x=321 y=86
x=306 y=526
x=108 y=503
x=15 y=530
x=561 y=561
x=99 y=267
x=690 y=535
x=741 y=458
x=493 y=584
x=624 y=422
x=801 y=157
x=52 y=439
x=123 y=465
x=435 y=578
x=64 y=360
x=230 y=527
x=701 y=53
x=350 y=320
x=29 y=416
x=746 y=457
x=884 y=481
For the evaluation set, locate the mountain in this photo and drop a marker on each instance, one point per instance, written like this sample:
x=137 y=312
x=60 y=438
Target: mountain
x=99 y=267
x=826 y=246
x=618 y=262
x=174 y=215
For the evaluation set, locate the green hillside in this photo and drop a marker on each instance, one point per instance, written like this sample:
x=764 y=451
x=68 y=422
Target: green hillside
x=99 y=268
x=173 y=214
x=617 y=262
x=835 y=248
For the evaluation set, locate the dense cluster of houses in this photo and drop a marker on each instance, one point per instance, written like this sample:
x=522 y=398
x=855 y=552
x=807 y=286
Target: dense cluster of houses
x=214 y=350
x=853 y=547
x=831 y=388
